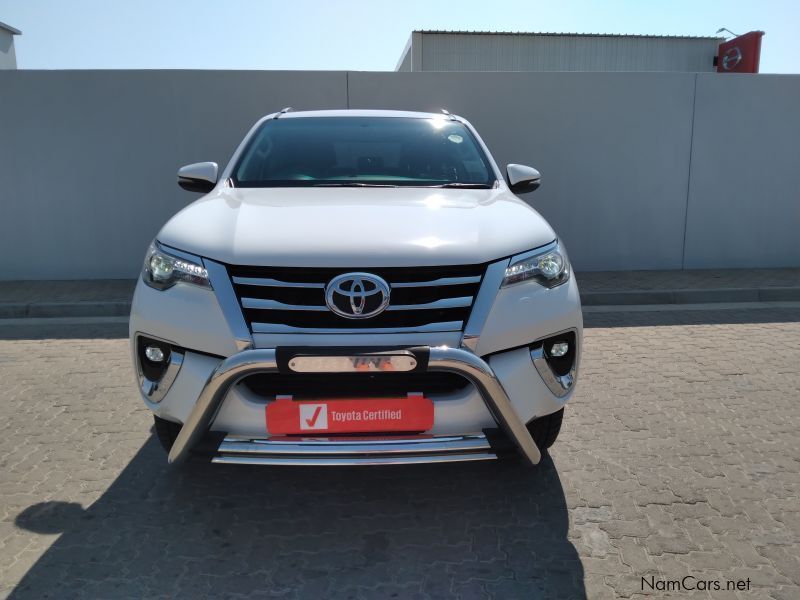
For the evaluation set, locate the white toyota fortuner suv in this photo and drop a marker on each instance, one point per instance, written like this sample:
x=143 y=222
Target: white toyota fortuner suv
x=357 y=287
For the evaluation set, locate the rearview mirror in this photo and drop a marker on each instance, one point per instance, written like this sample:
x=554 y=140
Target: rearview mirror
x=522 y=179
x=198 y=177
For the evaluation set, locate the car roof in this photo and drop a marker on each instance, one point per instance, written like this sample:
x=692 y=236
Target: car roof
x=361 y=113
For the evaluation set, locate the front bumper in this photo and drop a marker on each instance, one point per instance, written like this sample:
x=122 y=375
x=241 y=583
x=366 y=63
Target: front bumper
x=410 y=449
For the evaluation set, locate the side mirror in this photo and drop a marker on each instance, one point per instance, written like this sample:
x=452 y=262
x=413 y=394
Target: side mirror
x=198 y=177
x=522 y=179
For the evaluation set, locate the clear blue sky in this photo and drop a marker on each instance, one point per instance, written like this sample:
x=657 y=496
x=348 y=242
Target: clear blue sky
x=366 y=35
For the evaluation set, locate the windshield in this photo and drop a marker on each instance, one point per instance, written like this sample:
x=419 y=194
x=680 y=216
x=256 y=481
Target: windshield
x=363 y=151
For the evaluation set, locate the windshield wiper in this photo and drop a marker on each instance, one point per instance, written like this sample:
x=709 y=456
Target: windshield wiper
x=452 y=184
x=353 y=184
x=467 y=186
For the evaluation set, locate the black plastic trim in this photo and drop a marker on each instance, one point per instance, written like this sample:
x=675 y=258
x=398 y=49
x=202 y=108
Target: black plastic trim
x=499 y=442
x=195 y=185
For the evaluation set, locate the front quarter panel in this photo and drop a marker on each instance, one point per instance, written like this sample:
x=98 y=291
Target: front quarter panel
x=524 y=386
x=186 y=315
x=525 y=312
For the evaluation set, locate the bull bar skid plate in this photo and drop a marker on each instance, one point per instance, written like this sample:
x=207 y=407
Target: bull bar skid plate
x=409 y=450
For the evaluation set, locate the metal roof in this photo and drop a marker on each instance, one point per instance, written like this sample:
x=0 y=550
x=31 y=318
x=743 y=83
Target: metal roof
x=566 y=34
x=9 y=28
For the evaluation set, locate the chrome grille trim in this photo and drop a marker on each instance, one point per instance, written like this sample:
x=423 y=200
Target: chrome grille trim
x=492 y=280
x=441 y=281
x=267 y=282
x=229 y=303
x=430 y=327
x=462 y=302
x=423 y=299
x=262 y=304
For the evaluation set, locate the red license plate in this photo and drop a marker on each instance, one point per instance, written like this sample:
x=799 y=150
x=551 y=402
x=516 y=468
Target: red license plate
x=344 y=415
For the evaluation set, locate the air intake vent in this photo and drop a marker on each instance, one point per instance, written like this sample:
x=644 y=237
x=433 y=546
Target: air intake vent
x=292 y=300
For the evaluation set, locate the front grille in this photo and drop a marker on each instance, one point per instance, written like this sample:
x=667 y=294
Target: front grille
x=353 y=385
x=292 y=300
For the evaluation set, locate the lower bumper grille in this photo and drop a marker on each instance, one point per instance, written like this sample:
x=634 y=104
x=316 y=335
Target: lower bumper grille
x=353 y=385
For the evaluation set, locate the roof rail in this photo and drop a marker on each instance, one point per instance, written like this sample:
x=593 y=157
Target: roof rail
x=283 y=112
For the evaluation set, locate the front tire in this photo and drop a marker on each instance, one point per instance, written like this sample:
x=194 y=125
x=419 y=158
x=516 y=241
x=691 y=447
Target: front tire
x=544 y=430
x=166 y=431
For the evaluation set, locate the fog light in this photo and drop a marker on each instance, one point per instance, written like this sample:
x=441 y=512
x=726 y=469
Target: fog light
x=559 y=349
x=154 y=353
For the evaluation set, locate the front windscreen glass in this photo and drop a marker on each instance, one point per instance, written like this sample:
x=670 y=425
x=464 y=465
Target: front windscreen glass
x=363 y=151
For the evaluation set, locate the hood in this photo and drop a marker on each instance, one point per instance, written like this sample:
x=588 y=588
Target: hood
x=356 y=227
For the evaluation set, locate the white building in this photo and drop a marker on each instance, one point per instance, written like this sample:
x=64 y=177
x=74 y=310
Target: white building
x=8 y=58
x=494 y=51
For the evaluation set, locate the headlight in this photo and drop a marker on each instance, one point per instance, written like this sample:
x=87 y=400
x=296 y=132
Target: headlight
x=162 y=270
x=548 y=266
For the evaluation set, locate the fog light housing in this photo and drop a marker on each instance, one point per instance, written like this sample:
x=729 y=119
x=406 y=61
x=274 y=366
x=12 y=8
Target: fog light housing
x=153 y=357
x=157 y=364
x=555 y=358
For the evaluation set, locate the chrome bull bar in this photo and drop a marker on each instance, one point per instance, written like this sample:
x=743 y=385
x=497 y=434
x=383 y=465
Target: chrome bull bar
x=442 y=358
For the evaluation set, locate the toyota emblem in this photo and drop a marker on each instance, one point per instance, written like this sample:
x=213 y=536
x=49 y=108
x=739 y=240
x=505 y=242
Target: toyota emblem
x=357 y=295
x=731 y=58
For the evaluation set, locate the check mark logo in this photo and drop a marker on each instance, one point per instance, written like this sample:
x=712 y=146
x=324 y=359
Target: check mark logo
x=313 y=417
x=312 y=421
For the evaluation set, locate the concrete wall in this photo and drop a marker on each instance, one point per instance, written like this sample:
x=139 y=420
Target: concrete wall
x=744 y=195
x=88 y=158
x=613 y=149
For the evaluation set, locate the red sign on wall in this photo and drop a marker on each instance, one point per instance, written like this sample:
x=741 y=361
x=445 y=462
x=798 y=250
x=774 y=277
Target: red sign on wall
x=741 y=54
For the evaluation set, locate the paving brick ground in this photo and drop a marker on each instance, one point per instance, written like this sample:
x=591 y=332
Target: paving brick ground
x=679 y=456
